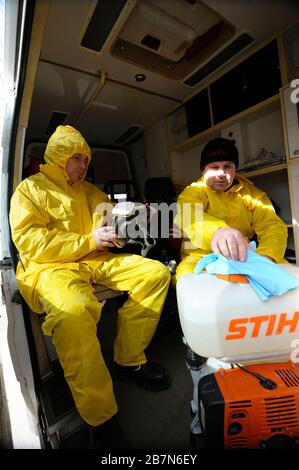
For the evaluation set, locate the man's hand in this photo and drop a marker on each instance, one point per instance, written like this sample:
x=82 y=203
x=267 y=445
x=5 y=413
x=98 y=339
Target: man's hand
x=104 y=237
x=230 y=243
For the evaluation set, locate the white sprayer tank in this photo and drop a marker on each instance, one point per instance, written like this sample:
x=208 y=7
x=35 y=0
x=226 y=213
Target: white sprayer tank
x=227 y=320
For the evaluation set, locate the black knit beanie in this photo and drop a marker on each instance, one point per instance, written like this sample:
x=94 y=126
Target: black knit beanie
x=218 y=150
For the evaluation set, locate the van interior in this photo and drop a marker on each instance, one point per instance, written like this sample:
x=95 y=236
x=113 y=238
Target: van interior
x=147 y=83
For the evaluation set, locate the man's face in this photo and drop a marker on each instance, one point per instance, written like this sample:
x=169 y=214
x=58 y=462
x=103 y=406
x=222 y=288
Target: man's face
x=76 y=167
x=219 y=175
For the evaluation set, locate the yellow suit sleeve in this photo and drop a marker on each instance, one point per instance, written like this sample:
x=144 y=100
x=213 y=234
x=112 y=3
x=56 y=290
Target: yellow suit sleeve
x=35 y=241
x=196 y=225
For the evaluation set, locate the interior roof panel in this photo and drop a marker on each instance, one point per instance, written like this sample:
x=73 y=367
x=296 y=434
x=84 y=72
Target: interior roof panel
x=62 y=36
x=66 y=87
x=74 y=90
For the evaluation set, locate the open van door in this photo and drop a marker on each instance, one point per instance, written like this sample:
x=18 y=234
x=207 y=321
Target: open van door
x=16 y=357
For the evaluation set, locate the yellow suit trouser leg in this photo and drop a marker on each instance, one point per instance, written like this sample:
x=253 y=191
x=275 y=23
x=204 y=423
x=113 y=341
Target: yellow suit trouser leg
x=147 y=283
x=72 y=315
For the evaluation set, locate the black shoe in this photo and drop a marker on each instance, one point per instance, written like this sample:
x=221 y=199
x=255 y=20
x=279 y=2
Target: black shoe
x=150 y=376
x=108 y=435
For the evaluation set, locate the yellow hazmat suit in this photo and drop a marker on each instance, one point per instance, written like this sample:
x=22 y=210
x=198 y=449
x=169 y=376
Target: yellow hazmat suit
x=51 y=223
x=202 y=211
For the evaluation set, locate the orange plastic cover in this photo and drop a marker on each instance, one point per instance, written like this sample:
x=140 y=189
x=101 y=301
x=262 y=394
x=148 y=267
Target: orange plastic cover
x=233 y=278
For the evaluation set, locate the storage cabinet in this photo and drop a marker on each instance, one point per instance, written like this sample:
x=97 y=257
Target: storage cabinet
x=256 y=112
x=258 y=135
x=293 y=171
x=276 y=185
x=289 y=96
x=275 y=182
x=257 y=132
x=291 y=52
x=247 y=84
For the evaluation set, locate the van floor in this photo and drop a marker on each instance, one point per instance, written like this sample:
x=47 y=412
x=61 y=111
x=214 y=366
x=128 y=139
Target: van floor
x=150 y=420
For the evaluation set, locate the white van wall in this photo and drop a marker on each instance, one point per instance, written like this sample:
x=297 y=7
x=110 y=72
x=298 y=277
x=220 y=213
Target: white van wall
x=156 y=150
x=185 y=166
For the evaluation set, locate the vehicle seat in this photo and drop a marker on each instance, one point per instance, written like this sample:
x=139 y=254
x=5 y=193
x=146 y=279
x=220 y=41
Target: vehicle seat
x=159 y=190
x=43 y=343
x=61 y=417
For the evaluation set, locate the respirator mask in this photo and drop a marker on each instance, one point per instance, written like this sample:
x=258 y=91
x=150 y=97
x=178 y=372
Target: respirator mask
x=131 y=221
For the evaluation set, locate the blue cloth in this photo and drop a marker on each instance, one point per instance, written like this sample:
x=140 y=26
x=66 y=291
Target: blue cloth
x=266 y=277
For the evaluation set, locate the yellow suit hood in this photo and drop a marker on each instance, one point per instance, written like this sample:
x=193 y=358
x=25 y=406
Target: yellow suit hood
x=51 y=220
x=62 y=145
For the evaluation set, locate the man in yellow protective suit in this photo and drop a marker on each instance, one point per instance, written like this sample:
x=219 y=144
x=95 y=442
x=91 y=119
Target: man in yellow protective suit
x=223 y=211
x=57 y=221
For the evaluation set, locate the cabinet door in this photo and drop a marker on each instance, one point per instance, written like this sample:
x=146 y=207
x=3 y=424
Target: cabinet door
x=293 y=169
x=251 y=82
x=291 y=52
x=276 y=186
x=291 y=110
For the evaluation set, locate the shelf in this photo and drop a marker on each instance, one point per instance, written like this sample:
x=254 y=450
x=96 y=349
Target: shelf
x=290 y=122
x=293 y=161
x=257 y=110
x=179 y=185
x=263 y=170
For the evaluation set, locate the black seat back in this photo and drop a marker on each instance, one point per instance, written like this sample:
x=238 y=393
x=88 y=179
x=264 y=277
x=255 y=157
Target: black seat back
x=160 y=189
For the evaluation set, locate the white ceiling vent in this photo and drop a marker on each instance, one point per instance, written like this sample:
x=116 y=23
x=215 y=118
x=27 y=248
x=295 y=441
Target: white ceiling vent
x=173 y=34
x=171 y=37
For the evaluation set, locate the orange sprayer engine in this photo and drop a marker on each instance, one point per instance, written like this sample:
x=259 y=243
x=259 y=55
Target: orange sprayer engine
x=240 y=410
x=247 y=394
